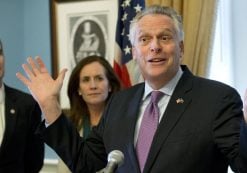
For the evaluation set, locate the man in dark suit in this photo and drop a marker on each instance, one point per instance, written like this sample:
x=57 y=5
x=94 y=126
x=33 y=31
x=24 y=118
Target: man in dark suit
x=20 y=149
x=201 y=127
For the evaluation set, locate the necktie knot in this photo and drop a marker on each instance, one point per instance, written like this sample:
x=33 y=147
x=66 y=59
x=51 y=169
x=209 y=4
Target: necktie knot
x=156 y=96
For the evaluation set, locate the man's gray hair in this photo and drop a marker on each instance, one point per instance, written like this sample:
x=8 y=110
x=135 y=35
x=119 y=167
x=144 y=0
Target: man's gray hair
x=156 y=9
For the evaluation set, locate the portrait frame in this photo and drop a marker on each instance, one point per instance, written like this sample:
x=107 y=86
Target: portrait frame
x=72 y=23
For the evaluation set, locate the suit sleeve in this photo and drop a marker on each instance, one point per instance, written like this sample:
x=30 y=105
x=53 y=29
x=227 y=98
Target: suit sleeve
x=230 y=131
x=78 y=154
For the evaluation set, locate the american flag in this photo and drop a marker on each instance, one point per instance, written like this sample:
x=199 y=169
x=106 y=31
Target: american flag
x=124 y=65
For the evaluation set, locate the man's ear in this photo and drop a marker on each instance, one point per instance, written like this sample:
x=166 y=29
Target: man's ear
x=181 y=45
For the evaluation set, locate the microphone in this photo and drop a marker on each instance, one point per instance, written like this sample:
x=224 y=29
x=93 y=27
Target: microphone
x=115 y=159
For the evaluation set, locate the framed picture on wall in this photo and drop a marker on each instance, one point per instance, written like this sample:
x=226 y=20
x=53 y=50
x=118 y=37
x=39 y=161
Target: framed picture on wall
x=80 y=29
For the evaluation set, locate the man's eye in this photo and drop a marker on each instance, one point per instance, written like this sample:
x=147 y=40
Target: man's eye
x=143 y=39
x=165 y=38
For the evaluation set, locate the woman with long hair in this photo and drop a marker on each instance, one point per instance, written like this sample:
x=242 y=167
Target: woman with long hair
x=91 y=84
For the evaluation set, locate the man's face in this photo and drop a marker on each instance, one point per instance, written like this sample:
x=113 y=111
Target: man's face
x=157 y=49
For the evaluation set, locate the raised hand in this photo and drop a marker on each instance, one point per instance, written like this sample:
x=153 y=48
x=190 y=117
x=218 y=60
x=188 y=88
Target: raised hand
x=43 y=87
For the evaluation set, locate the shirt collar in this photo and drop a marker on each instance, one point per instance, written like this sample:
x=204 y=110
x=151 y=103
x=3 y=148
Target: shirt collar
x=2 y=94
x=168 y=88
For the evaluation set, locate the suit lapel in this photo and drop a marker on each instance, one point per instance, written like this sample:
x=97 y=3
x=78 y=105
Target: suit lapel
x=180 y=99
x=132 y=113
x=10 y=115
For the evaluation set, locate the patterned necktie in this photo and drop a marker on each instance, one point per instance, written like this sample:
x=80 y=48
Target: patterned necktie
x=148 y=128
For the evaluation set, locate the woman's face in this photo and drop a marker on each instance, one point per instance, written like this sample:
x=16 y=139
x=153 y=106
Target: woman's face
x=93 y=84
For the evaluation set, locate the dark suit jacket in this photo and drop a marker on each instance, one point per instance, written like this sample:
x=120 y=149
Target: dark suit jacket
x=199 y=135
x=21 y=150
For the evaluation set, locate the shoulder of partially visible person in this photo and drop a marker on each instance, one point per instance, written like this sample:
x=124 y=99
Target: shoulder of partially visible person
x=22 y=101
x=27 y=117
x=19 y=95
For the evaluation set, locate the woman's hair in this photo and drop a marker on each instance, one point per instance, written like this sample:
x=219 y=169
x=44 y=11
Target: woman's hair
x=156 y=9
x=78 y=107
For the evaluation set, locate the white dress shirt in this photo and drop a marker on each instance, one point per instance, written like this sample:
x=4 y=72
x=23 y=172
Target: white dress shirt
x=2 y=113
x=167 y=90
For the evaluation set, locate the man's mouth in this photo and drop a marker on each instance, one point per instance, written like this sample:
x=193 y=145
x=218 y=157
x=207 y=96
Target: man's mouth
x=157 y=60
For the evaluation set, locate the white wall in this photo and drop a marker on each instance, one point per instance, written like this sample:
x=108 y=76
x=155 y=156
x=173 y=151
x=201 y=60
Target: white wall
x=239 y=29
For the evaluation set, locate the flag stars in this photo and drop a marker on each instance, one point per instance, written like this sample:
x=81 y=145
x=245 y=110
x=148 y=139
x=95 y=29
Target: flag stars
x=128 y=36
x=138 y=8
x=127 y=10
x=124 y=16
x=123 y=32
x=127 y=50
x=122 y=5
x=127 y=3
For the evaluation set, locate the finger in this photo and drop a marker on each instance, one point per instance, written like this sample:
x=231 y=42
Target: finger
x=61 y=76
x=33 y=65
x=41 y=65
x=28 y=71
x=23 y=79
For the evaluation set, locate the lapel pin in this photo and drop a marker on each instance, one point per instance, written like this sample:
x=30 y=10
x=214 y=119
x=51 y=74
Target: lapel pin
x=180 y=101
x=12 y=111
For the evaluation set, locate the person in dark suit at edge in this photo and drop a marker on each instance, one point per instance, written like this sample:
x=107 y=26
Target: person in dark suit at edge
x=201 y=125
x=21 y=151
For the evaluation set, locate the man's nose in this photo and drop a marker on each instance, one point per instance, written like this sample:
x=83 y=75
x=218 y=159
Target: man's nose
x=155 y=46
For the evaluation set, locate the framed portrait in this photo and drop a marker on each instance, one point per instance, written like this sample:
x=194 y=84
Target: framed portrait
x=79 y=29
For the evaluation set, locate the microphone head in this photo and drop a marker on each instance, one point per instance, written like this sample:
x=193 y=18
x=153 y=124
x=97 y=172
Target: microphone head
x=116 y=156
